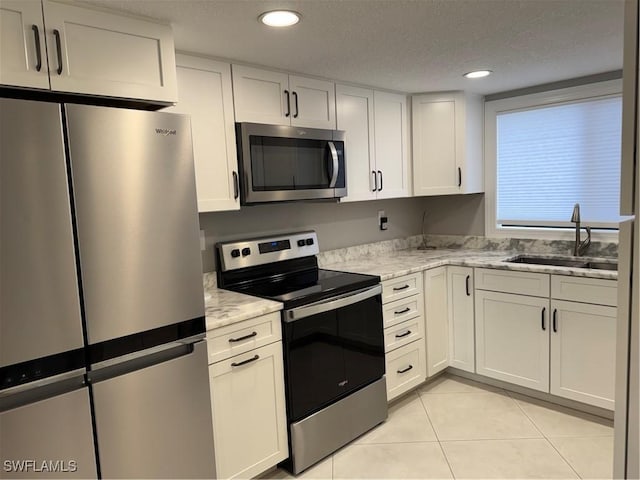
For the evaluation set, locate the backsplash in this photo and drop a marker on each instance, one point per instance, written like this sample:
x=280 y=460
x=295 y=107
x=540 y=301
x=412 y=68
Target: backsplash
x=455 y=242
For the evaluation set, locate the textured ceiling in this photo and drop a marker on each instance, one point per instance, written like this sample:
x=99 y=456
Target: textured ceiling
x=405 y=45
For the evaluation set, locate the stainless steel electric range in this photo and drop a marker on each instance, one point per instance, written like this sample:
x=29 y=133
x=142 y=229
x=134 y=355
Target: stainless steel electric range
x=332 y=339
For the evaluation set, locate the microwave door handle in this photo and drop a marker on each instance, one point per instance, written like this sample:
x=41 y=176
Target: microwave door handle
x=335 y=165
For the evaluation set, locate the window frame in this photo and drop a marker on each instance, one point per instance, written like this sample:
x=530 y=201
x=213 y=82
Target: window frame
x=610 y=88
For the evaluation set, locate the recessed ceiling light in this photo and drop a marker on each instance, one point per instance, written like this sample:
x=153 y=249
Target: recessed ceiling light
x=280 y=18
x=477 y=74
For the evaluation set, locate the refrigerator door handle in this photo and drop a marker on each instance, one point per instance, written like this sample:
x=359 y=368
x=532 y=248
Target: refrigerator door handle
x=114 y=367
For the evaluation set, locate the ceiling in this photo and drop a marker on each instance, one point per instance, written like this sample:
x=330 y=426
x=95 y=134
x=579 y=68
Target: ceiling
x=405 y=45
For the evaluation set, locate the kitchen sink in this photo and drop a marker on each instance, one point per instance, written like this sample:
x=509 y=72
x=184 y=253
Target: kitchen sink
x=566 y=262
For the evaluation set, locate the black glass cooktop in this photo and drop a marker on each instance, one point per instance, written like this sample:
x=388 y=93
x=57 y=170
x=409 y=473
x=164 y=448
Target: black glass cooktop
x=305 y=287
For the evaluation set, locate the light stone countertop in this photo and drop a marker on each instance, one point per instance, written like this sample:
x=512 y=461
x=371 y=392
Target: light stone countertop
x=223 y=307
x=399 y=263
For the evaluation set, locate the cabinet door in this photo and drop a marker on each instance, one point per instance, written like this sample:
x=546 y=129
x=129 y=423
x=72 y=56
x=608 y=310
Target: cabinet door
x=435 y=164
x=512 y=338
x=249 y=422
x=313 y=103
x=98 y=53
x=204 y=93
x=23 y=55
x=583 y=352
x=392 y=159
x=461 y=323
x=437 y=321
x=259 y=96
x=354 y=112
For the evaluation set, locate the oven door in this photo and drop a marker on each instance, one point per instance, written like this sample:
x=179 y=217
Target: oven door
x=332 y=348
x=280 y=163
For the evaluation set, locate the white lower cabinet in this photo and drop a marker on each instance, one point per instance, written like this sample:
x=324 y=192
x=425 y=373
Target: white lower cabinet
x=248 y=405
x=436 y=319
x=461 y=319
x=512 y=338
x=403 y=314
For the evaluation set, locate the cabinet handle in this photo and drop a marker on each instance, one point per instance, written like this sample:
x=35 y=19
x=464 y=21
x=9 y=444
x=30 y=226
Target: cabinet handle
x=295 y=102
x=36 y=34
x=405 y=334
x=466 y=285
x=555 y=320
x=244 y=362
x=404 y=310
x=380 y=173
x=405 y=370
x=56 y=33
x=375 y=181
x=236 y=187
x=286 y=92
x=544 y=309
x=397 y=289
x=459 y=177
x=233 y=340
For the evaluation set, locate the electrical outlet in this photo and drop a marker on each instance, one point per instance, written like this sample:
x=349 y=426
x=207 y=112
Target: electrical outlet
x=383 y=220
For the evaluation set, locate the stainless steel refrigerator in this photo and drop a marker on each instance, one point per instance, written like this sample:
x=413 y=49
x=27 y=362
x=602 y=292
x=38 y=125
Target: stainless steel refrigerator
x=103 y=366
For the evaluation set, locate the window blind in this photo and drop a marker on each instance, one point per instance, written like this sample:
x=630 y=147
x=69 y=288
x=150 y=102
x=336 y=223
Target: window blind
x=552 y=157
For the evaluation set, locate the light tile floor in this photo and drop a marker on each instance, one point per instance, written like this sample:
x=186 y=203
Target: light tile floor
x=456 y=428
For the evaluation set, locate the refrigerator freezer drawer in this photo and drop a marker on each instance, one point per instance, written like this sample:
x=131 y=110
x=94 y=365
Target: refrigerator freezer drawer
x=53 y=434
x=156 y=422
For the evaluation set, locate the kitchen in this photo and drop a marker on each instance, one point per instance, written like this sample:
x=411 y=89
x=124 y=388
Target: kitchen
x=215 y=99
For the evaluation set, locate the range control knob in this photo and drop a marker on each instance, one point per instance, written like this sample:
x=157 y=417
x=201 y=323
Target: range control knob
x=235 y=253
x=301 y=243
x=246 y=251
x=309 y=241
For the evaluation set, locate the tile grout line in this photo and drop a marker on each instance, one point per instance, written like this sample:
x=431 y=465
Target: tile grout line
x=446 y=459
x=544 y=436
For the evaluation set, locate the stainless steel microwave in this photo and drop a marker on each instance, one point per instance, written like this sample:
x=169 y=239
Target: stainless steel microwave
x=279 y=163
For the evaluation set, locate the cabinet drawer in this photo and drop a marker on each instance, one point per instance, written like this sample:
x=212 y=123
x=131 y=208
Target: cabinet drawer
x=585 y=290
x=225 y=342
x=405 y=368
x=507 y=281
x=401 y=287
x=403 y=333
x=402 y=310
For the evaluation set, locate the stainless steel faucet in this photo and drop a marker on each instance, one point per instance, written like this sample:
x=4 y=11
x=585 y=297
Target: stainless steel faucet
x=580 y=246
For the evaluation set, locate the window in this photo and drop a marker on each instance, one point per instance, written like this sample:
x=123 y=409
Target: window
x=547 y=152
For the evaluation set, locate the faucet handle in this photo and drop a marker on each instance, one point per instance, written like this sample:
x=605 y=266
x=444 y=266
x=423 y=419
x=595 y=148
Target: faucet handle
x=575 y=216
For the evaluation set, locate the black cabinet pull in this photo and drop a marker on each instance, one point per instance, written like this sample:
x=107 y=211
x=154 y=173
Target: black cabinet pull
x=459 y=177
x=244 y=362
x=380 y=173
x=405 y=334
x=233 y=340
x=375 y=181
x=404 y=310
x=555 y=320
x=36 y=34
x=405 y=370
x=466 y=284
x=397 y=289
x=286 y=92
x=295 y=102
x=56 y=33
x=544 y=327
x=236 y=187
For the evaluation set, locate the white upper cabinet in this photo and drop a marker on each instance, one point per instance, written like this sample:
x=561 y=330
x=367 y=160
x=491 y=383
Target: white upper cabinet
x=354 y=112
x=85 y=51
x=23 y=53
x=204 y=93
x=376 y=142
x=264 y=96
x=392 y=157
x=447 y=143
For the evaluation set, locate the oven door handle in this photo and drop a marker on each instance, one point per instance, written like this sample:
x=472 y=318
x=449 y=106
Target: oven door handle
x=331 y=304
